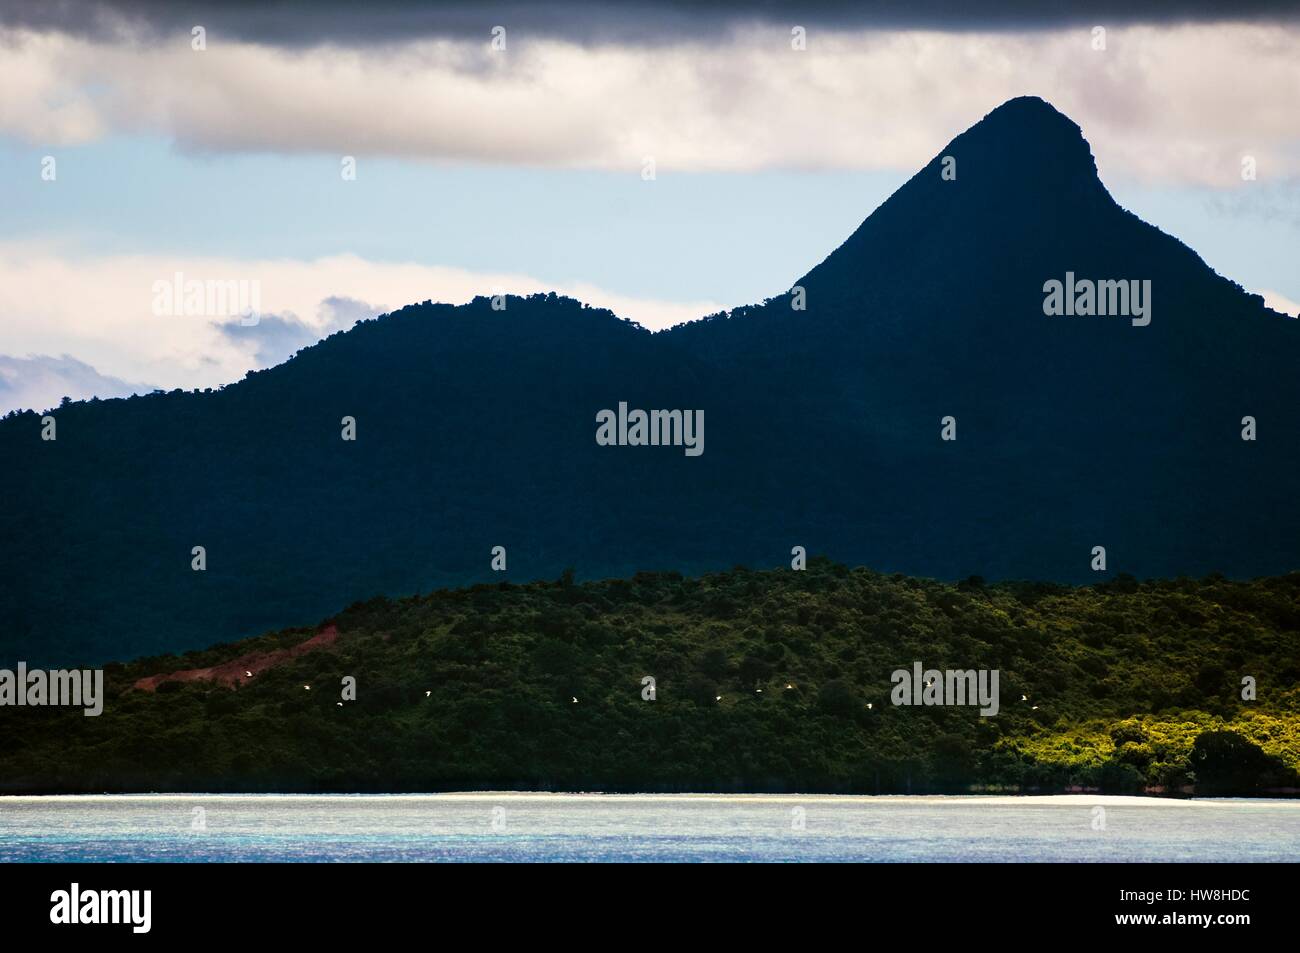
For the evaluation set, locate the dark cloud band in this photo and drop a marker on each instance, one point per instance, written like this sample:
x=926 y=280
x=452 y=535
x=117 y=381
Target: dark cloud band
x=344 y=22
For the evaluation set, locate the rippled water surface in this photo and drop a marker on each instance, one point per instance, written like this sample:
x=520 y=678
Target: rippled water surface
x=559 y=827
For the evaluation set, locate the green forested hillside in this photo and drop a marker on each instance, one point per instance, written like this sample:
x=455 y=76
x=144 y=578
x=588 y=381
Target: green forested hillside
x=1128 y=686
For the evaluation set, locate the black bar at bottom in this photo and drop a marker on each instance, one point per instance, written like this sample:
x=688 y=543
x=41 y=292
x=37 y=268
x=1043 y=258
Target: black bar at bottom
x=236 y=902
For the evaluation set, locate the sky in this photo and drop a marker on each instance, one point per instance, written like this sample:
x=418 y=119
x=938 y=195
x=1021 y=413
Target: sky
x=665 y=161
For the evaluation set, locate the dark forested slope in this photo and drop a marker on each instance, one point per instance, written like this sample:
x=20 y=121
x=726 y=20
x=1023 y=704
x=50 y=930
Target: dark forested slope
x=476 y=428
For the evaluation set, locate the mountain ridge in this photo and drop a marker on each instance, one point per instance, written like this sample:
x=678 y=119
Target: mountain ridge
x=475 y=428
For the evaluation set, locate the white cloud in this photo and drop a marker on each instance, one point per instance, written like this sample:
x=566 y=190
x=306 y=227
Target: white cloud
x=1166 y=103
x=1281 y=303
x=39 y=100
x=102 y=309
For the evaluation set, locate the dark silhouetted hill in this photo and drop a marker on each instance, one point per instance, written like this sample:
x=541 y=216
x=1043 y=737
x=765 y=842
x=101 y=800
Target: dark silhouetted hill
x=476 y=428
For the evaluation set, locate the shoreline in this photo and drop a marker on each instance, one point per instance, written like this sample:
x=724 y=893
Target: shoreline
x=691 y=798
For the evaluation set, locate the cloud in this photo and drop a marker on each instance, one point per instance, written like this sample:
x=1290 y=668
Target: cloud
x=275 y=338
x=1167 y=104
x=38 y=99
x=103 y=309
x=1281 y=303
x=1275 y=201
x=344 y=22
x=38 y=382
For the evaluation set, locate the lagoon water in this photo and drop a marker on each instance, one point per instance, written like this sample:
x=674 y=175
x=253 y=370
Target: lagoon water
x=594 y=827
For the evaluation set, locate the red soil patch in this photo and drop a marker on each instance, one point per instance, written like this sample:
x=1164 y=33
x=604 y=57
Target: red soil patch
x=231 y=673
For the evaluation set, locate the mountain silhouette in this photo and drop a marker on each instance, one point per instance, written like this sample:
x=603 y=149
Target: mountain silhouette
x=476 y=428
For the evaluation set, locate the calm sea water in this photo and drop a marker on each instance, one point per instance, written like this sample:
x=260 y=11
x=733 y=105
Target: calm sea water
x=557 y=827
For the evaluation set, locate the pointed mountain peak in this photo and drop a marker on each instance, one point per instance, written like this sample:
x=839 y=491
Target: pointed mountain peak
x=1028 y=130
x=1002 y=188
x=1030 y=109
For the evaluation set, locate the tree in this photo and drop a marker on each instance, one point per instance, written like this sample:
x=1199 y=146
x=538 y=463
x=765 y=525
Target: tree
x=838 y=697
x=1227 y=763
